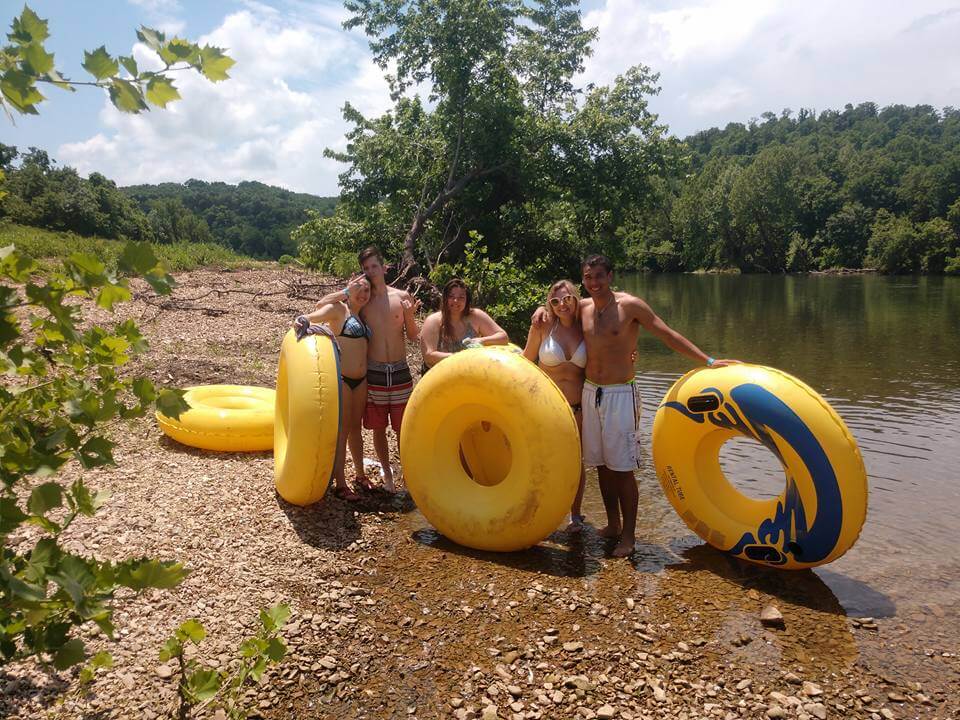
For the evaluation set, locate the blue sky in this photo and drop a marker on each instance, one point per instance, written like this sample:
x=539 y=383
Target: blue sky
x=719 y=60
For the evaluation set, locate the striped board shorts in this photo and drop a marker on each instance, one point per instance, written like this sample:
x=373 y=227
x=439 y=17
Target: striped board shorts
x=388 y=389
x=611 y=419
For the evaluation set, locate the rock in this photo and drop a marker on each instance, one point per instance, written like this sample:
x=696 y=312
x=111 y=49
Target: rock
x=489 y=713
x=164 y=671
x=818 y=710
x=792 y=678
x=630 y=605
x=683 y=647
x=606 y=712
x=887 y=713
x=811 y=689
x=896 y=697
x=744 y=684
x=328 y=662
x=776 y=712
x=573 y=646
x=753 y=594
x=770 y=616
x=515 y=690
x=456 y=702
x=659 y=694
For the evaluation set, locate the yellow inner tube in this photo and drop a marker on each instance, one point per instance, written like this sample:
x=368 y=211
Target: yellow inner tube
x=230 y=418
x=817 y=517
x=490 y=450
x=307 y=417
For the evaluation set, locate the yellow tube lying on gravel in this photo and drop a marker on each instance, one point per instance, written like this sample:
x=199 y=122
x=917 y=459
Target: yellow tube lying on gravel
x=307 y=417
x=490 y=450
x=228 y=418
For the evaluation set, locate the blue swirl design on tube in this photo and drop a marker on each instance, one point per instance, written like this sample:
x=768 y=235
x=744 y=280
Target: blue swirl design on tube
x=762 y=411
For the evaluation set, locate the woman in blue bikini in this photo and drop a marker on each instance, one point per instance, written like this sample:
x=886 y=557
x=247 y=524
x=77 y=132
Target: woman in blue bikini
x=343 y=319
x=558 y=346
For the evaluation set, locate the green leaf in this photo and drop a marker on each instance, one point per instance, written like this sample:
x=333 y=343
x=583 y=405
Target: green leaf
x=274 y=617
x=44 y=498
x=181 y=49
x=99 y=63
x=95 y=452
x=171 y=648
x=40 y=60
x=214 y=63
x=171 y=403
x=204 y=684
x=126 y=96
x=192 y=630
x=101 y=660
x=145 y=573
x=71 y=653
x=256 y=672
x=276 y=650
x=19 y=90
x=153 y=39
x=161 y=91
x=28 y=28
x=87 y=503
x=44 y=557
x=130 y=64
x=144 y=390
x=11 y=516
x=112 y=294
x=137 y=258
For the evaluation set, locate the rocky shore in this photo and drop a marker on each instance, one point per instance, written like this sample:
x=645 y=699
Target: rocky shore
x=392 y=621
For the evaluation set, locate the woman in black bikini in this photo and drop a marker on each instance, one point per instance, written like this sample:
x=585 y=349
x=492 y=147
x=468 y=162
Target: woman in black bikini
x=343 y=318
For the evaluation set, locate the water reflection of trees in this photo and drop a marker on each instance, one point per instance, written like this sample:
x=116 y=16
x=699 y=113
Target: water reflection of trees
x=852 y=336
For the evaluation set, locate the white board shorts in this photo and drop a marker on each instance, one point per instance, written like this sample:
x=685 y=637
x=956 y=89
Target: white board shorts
x=611 y=420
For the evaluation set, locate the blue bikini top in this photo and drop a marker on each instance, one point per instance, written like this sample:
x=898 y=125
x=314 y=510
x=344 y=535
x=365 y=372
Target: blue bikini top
x=354 y=327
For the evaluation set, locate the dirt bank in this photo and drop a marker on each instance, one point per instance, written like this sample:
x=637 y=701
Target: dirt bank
x=392 y=621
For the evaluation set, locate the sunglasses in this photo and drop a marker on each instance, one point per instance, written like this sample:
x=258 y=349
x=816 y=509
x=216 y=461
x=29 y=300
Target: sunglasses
x=566 y=299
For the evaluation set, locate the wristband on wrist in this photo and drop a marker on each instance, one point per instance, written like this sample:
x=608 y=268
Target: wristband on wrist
x=346 y=292
x=710 y=361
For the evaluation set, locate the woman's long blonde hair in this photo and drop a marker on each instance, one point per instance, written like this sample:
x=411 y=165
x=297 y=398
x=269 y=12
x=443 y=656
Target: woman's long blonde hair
x=572 y=289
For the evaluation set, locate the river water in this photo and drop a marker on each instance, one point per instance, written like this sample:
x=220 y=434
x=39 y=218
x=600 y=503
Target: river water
x=885 y=352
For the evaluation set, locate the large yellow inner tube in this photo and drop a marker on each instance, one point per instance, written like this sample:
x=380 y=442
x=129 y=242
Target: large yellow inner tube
x=307 y=417
x=490 y=450
x=817 y=517
x=231 y=418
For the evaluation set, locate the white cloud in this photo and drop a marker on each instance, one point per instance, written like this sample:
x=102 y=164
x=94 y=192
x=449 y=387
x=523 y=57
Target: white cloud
x=728 y=60
x=270 y=121
x=163 y=15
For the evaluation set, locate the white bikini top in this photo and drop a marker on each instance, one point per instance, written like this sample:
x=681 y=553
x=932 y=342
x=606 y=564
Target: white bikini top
x=551 y=352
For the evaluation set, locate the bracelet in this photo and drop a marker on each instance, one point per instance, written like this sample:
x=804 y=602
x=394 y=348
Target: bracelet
x=710 y=361
x=346 y=293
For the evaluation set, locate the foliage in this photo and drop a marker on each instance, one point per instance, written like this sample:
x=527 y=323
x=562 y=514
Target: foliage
x=504 y=289
x=63 y=386
x=25 y=62
x=251 y=218
x=201 y=686
x=46 y=246
x=505 y=143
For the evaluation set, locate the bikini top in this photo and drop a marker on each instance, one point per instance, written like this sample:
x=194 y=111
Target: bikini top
x=354 y=327
x=451 y=346
x=552 y=354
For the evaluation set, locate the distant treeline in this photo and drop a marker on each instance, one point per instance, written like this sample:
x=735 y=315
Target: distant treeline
x=861 y=187
x=251 y=218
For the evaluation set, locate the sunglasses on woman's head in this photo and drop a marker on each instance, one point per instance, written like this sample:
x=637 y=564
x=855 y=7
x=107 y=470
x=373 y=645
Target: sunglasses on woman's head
x=555 y=301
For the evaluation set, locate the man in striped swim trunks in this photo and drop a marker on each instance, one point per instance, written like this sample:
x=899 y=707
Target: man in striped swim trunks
x=390 y=314
x=611 y=405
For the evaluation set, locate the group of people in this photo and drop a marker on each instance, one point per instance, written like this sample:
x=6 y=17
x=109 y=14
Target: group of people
x=587 y=346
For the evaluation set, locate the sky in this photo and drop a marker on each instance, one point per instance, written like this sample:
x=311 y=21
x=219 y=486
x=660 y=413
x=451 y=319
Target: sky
x=719 y=61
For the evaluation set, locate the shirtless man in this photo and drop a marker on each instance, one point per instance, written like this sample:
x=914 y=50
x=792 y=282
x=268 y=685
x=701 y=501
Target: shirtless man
x=390 y=314
x=611 y=404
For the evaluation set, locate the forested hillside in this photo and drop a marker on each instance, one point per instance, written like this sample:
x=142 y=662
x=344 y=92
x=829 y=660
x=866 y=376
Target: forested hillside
x=861 y=187
x=251 y=218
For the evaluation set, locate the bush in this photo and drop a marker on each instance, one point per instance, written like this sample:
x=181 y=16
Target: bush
x=502 y=288
x=64 y=387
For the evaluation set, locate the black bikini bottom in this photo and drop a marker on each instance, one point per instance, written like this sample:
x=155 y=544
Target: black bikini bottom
x=352 y=383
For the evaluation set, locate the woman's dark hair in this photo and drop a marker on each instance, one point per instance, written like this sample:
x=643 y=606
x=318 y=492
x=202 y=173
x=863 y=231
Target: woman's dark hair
x=446 y=331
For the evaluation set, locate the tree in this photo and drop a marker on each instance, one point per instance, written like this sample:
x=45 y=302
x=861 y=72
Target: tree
x=505 y=142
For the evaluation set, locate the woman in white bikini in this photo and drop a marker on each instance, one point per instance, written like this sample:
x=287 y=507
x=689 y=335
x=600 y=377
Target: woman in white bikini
x=558 y=346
